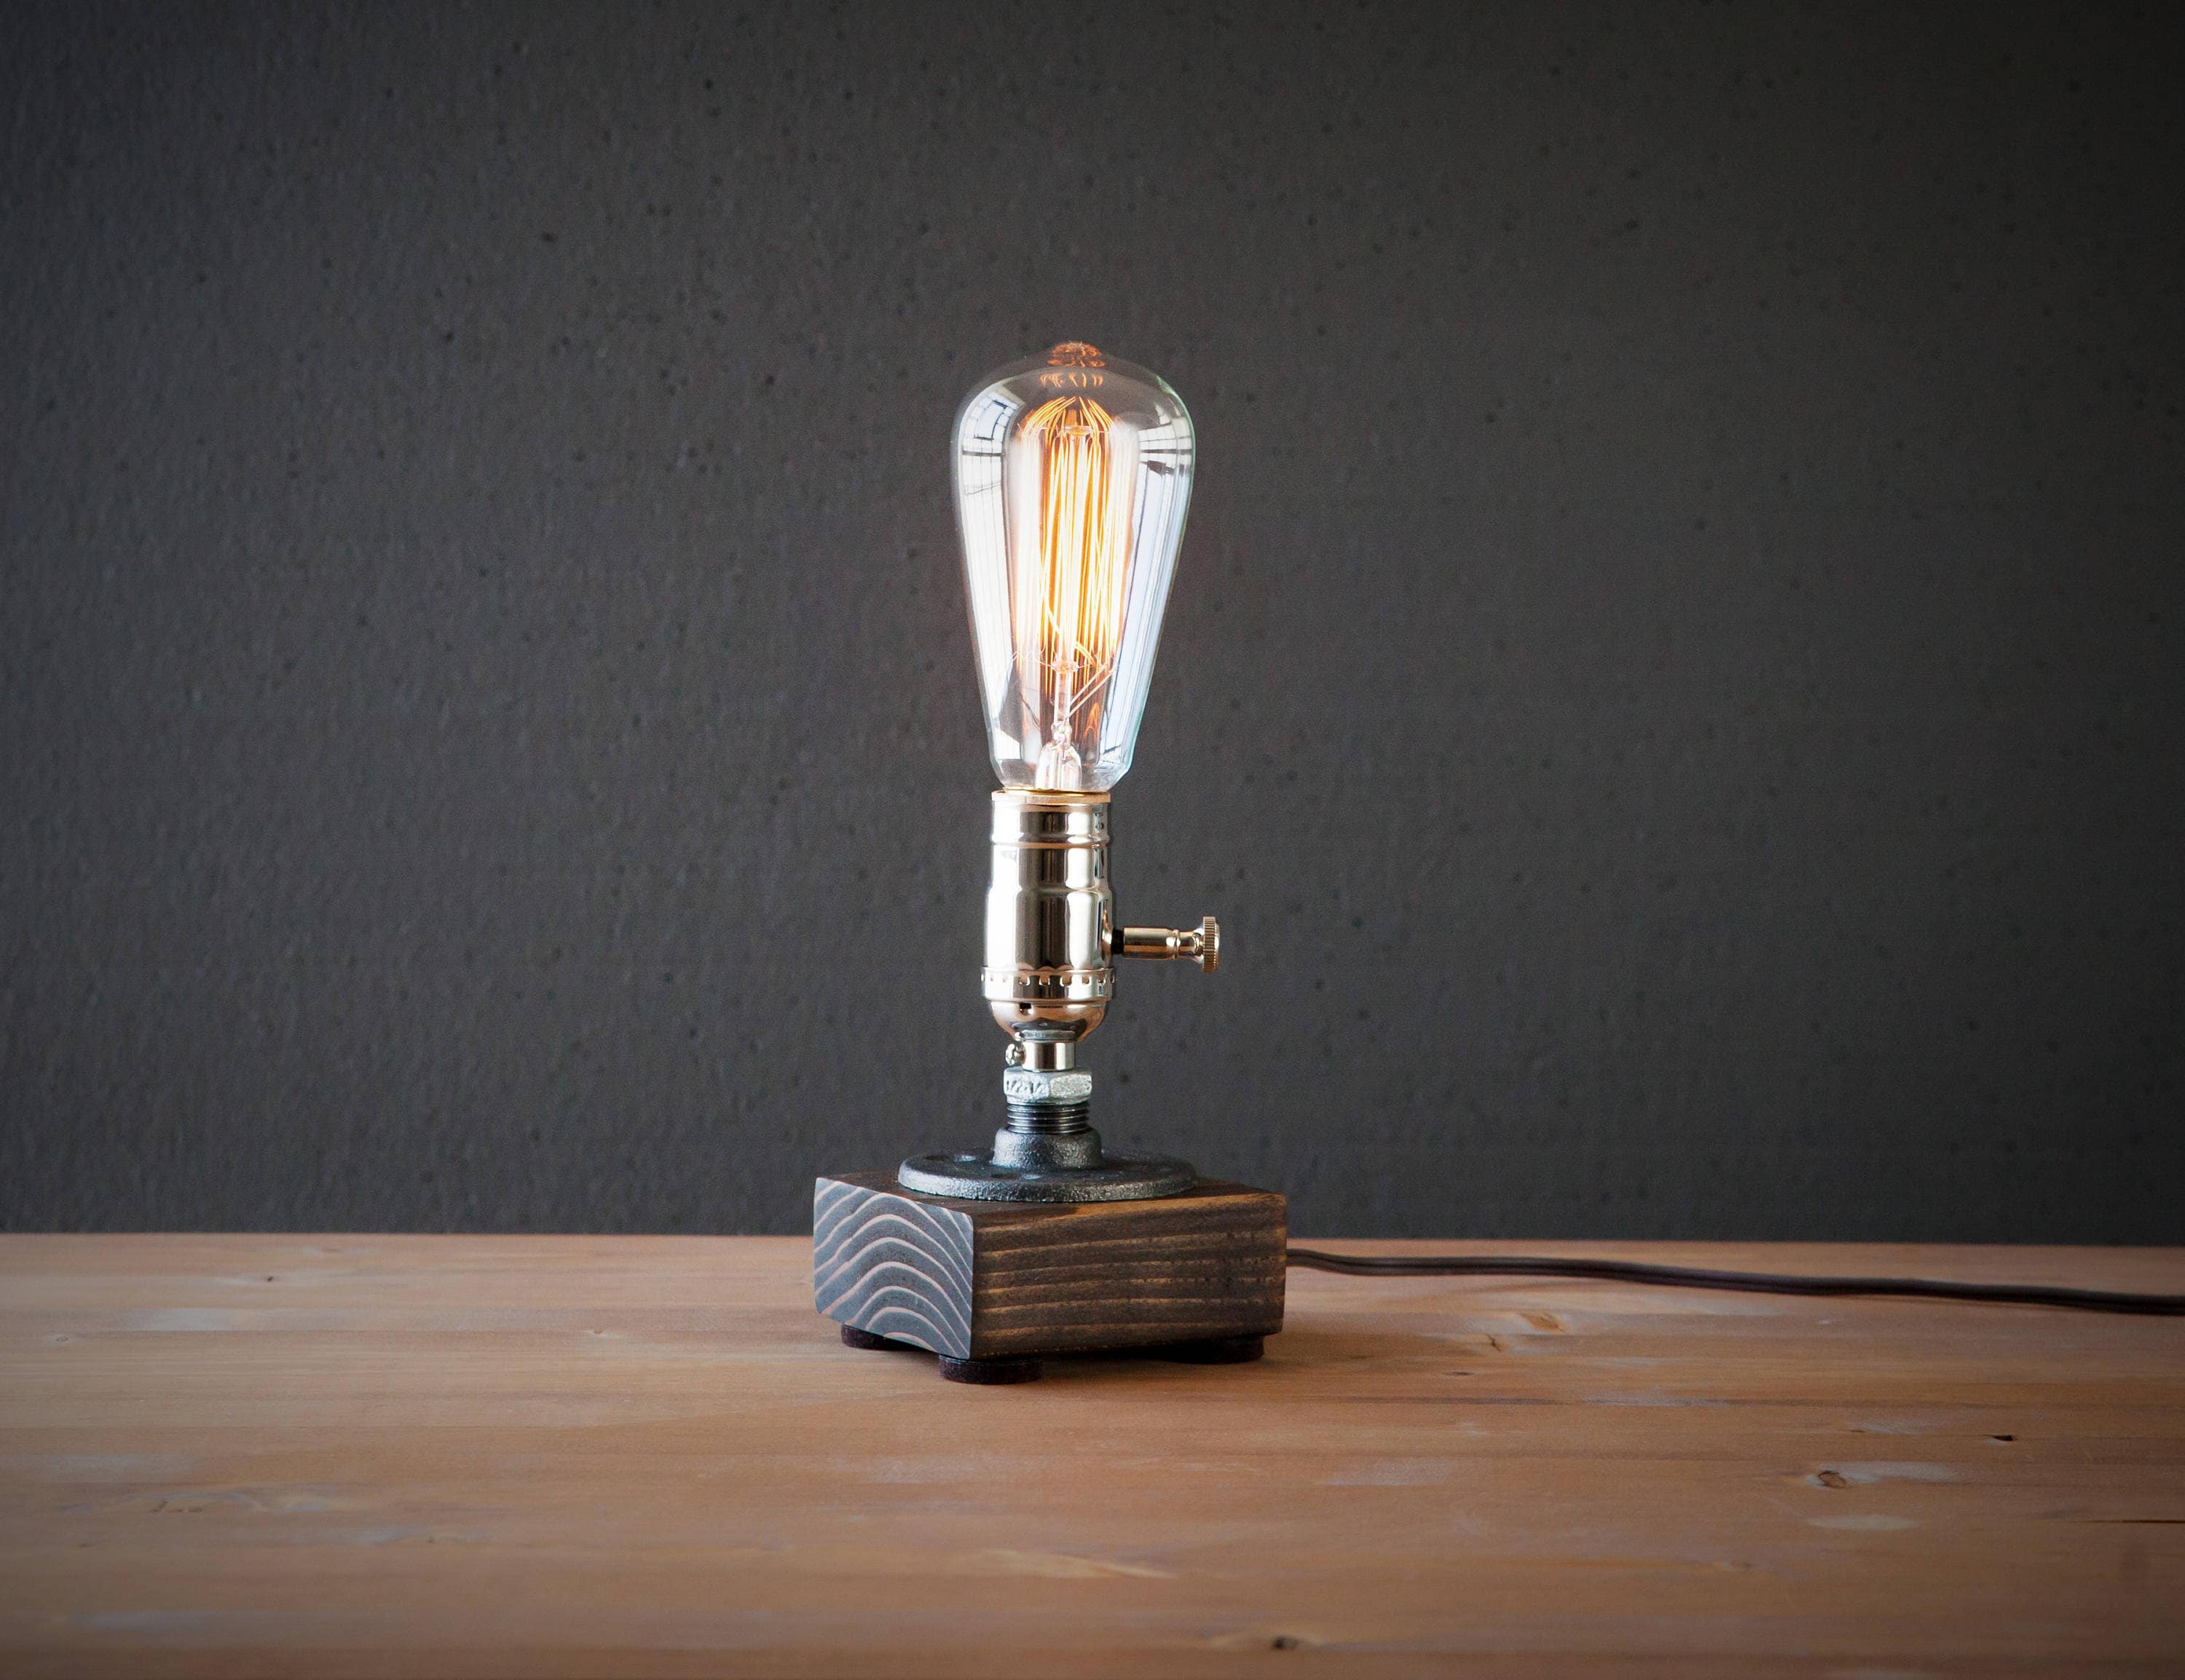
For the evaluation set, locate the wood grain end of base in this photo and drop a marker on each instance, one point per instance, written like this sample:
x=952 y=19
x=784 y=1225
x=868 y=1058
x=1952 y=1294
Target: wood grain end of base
x=892 y=1265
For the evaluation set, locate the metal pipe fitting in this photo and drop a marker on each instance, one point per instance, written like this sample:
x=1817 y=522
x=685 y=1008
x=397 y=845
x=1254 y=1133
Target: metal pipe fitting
x=1053 y=1104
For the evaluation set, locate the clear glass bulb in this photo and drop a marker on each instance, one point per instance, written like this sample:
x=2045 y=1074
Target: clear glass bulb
x=1073 y=474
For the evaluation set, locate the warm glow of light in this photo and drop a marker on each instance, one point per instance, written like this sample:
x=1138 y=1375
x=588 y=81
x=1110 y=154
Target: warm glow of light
x=1073 y=474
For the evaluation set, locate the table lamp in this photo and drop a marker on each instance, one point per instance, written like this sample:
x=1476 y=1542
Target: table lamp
x=1073 y=475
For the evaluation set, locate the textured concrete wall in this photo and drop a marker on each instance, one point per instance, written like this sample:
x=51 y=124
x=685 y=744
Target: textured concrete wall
x=1673 y=683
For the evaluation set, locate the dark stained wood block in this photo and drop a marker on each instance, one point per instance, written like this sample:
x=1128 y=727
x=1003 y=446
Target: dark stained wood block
x=994 y=1280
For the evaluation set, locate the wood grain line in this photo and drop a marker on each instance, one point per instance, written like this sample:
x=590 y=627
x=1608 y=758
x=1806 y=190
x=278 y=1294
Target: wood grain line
x=892 y=1266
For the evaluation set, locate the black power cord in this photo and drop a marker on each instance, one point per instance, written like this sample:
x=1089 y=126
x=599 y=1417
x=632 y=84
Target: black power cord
x=1758 y=1283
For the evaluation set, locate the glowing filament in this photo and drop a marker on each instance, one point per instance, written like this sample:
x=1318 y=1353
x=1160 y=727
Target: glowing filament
x=1069 y=613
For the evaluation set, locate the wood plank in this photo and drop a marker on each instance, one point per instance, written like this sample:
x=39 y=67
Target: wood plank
x=993 y=1279
x=649 y=1456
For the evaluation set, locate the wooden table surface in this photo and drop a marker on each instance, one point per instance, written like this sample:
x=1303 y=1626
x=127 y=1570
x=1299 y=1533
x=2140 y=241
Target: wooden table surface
x=422 y=1455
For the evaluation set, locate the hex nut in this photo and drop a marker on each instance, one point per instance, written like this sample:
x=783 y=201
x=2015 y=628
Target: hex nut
x=1046 y=1085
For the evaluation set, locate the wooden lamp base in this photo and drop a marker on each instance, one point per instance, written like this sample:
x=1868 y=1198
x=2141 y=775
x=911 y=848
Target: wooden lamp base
x=992 y=1287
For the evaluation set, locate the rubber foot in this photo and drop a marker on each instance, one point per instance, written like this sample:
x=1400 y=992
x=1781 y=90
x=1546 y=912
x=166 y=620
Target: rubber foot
x=854 y=1338
x=990 y=1371
x=1220 y=1350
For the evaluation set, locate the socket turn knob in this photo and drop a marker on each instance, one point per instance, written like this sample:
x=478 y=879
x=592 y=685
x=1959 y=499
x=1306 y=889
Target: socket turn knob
x=1201 y=945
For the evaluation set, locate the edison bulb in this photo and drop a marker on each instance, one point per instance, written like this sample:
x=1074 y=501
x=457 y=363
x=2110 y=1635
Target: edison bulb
x=1073 y=477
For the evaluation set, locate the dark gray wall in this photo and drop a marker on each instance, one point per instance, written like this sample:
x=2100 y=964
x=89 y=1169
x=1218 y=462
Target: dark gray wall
x=1673 y=683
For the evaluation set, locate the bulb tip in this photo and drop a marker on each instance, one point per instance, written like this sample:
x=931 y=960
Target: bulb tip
x=1076 y=353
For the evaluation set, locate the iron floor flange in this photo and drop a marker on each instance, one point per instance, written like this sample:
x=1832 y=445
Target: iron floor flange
x=973 y=1175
